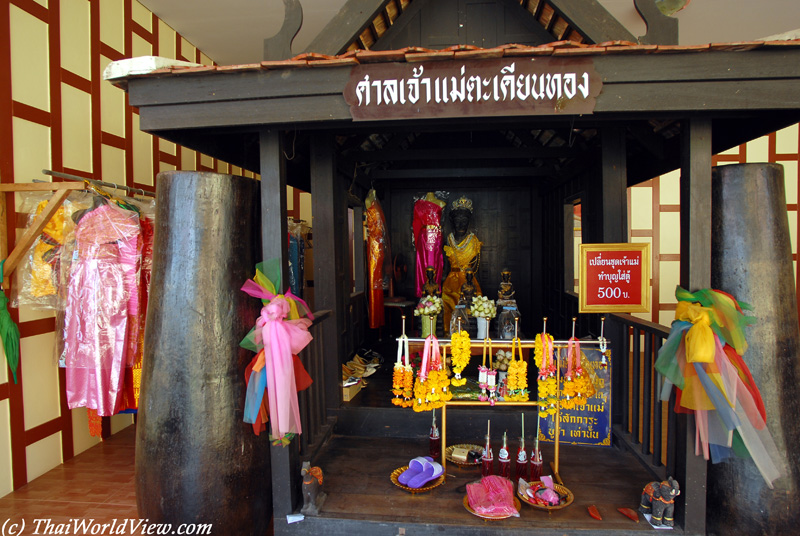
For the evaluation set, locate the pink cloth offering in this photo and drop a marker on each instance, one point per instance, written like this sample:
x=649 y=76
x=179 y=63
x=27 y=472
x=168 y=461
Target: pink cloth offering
x=492 y=496
x=427 y=229
x=548 y=494
x=102 y=298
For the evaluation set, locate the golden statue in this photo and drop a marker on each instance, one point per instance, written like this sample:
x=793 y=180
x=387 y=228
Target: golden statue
x=468 y=288
x=506 y=291
x=431 y=287
x=463 y=250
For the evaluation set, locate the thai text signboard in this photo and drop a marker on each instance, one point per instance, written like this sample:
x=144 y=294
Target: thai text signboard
x=615 y=278
x=472 y=88
x=589 y=423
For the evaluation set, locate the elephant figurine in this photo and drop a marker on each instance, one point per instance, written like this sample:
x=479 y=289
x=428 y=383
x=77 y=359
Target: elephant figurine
x=658 y=499
x=313 y=496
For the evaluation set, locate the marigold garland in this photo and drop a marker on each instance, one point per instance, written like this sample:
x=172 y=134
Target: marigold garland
x=397 y=383
x=517 y=380
x=431 y=393
x=546 y=383
x=460 y=353
x=408 y=386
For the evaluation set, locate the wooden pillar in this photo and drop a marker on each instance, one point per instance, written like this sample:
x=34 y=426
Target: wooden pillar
x=614 y=182
x=695 y=274
x=195 y=458
x=751 y=258
x=274 y=245
x=328 y=287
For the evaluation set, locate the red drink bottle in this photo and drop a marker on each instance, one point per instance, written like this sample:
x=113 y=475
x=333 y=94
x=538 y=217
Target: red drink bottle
x=522 y=462
x=435 y=447
x=504 y=459
x=487 y=462
x=536 y=465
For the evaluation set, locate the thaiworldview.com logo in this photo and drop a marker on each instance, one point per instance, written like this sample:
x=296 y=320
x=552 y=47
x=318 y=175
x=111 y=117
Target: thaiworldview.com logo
x=80 y=527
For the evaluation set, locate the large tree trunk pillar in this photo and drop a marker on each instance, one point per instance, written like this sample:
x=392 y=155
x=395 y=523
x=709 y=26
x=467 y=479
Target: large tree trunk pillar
x=196 y=461
x=752 y=260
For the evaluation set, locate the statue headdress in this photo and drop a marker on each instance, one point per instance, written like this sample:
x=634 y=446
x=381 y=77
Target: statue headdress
x=462 y=203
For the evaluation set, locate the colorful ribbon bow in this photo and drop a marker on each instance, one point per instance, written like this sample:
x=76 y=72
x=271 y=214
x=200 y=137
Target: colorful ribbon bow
x=702 y=359
x=700 y=345
x=281 y=337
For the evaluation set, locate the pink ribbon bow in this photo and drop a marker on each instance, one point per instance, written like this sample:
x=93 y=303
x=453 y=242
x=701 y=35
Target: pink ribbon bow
x=281 y=339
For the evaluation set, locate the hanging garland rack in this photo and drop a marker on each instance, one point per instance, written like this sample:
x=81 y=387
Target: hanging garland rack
x=60 y=192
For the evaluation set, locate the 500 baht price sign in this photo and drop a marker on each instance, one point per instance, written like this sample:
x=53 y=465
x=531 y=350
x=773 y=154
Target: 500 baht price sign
x=615 y=278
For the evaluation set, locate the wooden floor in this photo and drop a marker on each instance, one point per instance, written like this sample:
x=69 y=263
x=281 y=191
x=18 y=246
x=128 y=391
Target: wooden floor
x=97 y=484
x=363 y=500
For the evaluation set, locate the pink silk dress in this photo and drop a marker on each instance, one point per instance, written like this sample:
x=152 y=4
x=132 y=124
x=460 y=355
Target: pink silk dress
x=427 y=228
x=102 y=300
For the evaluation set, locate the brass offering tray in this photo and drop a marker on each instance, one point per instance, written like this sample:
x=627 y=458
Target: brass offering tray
x=517 y=505
x=427 y=487
x=448 y=454
x=561 y=490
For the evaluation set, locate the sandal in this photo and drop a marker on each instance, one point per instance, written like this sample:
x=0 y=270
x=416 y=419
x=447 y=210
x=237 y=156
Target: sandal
x=431 y=471
x=415 y=467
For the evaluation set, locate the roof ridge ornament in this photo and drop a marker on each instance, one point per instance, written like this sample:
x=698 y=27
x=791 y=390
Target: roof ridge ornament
x=279 y=46
x=661 y=29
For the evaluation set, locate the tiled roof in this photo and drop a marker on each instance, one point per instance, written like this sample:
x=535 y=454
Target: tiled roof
x=466 y=52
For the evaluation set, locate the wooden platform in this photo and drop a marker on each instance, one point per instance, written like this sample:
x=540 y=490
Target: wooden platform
x=362 y=499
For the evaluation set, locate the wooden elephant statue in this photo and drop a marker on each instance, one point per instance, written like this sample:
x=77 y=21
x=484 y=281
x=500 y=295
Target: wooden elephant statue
x=658 y=499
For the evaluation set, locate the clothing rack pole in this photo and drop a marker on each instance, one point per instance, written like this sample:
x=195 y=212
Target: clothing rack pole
x=96 y=182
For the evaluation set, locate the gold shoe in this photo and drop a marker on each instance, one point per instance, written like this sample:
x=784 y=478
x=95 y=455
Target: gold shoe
x=356 y=368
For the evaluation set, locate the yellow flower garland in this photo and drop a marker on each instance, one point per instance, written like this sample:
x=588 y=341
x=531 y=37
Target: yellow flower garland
x=397 y=383
x=433 y=392
x=517 y=380
x=460 y=353
x=546 y=384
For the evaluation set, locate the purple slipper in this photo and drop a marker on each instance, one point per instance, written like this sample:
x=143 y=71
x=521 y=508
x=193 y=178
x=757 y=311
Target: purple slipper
x=415 y=467
x=431 y=471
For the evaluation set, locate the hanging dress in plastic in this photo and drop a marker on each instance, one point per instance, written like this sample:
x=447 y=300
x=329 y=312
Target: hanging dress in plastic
x=102 y=298
x=144 y=292
x=376 y=254
x=427 y=227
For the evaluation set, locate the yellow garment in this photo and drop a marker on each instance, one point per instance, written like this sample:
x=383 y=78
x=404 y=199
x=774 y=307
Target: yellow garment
x=42 y=278
x=700 y=345
x=466 y=254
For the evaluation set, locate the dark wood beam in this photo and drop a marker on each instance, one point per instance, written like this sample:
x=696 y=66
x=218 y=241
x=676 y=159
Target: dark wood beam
x=354 y=17
x=542 y=35
x=614 y=220
x=653 y=143
x=649 y=84
x=465 y=173
x=592 y=20
x=695 y=274
x=400 y=24
x=615 y=184
x=285 y=470
x=478 y=153
x=328 y=292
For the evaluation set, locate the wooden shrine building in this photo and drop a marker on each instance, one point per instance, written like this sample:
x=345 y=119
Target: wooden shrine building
x=579 y=111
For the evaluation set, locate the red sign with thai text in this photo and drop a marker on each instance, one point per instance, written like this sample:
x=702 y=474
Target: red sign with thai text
x=615 y=278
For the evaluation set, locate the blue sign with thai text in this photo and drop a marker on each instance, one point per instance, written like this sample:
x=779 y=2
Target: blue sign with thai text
x=587 y=421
